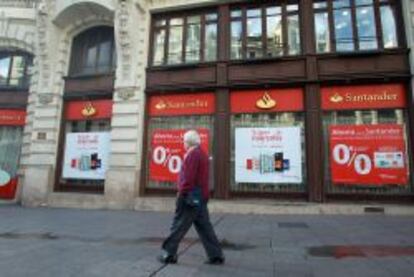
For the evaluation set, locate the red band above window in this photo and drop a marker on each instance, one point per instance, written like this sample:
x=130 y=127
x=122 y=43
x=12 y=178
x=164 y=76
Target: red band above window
x=185 y=104
x=363 y=97
x=266 y=100
x=12 y=117
x=88 y=110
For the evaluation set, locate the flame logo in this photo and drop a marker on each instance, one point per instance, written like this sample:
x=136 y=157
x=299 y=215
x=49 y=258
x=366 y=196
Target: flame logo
x=89 y=110
x=266 y=102
x=161 y=105
x=336 y=98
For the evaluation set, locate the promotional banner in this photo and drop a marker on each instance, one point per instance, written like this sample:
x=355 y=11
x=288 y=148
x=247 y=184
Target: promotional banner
x=268 y=155
x=86 y=155
x=168 y=152
x=368 y=154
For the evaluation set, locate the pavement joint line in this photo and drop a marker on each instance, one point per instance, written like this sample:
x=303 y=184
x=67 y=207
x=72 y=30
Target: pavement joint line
x=191 y=244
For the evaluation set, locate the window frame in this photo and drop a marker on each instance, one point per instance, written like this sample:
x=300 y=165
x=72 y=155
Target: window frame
x=95 y=36
x=284 y=14
x=28 y=62
x=167 y=29
x=376 y=5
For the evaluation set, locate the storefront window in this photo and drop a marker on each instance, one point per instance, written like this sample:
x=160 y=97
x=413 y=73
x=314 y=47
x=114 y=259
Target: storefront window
x=10 y=147
x=170 y=117
x=366 y=147
x=86 y=145
x=199 y=31
x=355 y=25
x=282 y=35
x=11 y=136
x=268 y=142
x=273 y=122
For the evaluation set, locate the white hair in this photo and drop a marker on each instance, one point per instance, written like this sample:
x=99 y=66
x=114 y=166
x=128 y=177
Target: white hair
x=192 y=138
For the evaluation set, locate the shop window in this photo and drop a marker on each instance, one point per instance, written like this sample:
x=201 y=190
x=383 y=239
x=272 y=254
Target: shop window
x=93 y=52
x=11 y=136
x=190 y=38
x=353 y=25
x=268 y=30
x=268 y=142
x=366 y=142
x=86 y=146
x=169 y=118
x=14 y=70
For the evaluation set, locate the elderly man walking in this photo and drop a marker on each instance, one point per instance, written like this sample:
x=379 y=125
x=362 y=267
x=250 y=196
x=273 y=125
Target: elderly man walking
x=191 y=204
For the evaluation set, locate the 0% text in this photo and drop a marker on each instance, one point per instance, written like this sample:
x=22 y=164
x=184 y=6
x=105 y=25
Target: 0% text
x=348 y=155
x=165 y=157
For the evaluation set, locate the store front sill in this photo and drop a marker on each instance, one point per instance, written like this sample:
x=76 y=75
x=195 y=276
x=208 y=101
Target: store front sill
x=267 y=207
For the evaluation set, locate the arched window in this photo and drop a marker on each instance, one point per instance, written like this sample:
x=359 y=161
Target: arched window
x=14 y=69
x=93 y=51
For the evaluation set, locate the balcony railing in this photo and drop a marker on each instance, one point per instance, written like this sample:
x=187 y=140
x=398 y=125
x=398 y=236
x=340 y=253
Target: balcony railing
x=19 y=3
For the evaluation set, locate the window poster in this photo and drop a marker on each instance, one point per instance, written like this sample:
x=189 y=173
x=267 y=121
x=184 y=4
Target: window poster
x=86 y=155
x=268 y=155
x=167 y=153
x=368 y=154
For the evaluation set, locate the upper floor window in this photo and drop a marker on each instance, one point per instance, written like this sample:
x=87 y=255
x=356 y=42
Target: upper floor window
x=268 y=30
x=14 y=69
x=93 y=51
x=354 y=25
x=190 y=38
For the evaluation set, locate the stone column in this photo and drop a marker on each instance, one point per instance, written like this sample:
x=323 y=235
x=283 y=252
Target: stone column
x=131 y=36
x=44 y=112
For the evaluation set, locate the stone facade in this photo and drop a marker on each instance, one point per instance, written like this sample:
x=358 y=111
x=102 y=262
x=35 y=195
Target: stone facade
x=46 y=29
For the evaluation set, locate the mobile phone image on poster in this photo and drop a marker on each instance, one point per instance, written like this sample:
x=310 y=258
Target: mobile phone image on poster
x=268 y=155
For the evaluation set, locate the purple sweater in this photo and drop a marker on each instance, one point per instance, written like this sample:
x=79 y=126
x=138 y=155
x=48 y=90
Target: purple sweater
x=194 y=171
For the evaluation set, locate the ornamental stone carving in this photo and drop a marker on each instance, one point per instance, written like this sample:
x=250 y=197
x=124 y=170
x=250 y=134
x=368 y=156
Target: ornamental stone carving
x=126 y=93
x=45 y=98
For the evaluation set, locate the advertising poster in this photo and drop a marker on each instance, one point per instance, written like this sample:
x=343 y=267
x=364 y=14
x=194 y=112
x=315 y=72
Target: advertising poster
x=86 y=155
x=168 y=152
x=368 y=154
x=268 y=155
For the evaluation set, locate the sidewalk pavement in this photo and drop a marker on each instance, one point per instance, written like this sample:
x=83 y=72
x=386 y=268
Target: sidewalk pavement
x=70 y=242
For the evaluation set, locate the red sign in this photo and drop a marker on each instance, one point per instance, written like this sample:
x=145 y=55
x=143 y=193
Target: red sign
x=168 y=153
x=12 y=117
x=8 y=191
x=363 y=97
x=272 y=100
x=368 y=155
x=84 y=110
x=186 y=104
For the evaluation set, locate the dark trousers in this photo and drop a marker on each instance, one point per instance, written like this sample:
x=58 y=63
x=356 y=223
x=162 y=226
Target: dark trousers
x=184 y=217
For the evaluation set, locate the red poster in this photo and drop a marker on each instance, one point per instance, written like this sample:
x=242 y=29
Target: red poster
x=368 y=154
x=167 y=152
